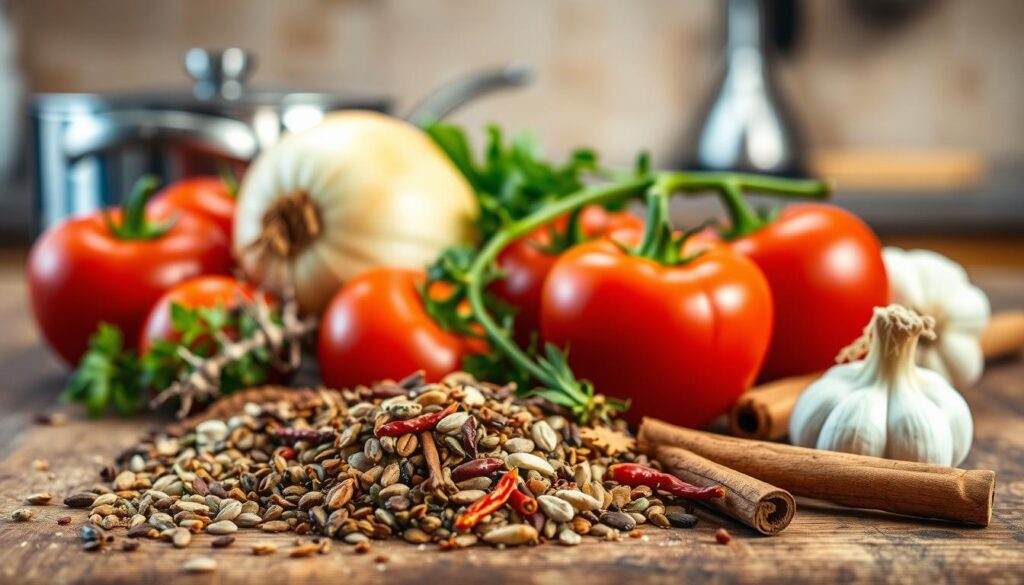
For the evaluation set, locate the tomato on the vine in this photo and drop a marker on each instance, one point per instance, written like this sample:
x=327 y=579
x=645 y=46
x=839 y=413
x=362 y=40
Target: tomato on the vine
x=826 y=273
x=202 y=292
x=681 y=340
x=526 y=262
x=209 y=197
x=377 y=327
x=113 y=266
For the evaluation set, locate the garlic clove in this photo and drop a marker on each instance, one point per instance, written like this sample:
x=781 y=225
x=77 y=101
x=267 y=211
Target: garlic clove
x=966 y=311
x=817 y=401
x=857 y=423
x=908 y=289
x=955 y=409
x=918 y=429
x=936 y=274
x=958 y=358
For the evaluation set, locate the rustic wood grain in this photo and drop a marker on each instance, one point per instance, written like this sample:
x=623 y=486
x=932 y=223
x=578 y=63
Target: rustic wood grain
x=823 y=544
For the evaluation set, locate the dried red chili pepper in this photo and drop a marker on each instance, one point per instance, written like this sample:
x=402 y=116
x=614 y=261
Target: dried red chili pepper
x=489 y=503
x=424 y=422
x=522 y=503
x=477 y=468
x=309 y=435
x=633 y=474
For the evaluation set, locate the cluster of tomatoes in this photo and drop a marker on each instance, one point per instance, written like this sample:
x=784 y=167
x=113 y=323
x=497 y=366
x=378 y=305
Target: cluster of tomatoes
x=83 y=272
x=680 y=341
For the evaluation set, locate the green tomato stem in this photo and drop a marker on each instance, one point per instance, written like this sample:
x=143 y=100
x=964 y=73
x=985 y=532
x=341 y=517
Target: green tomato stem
x=658 y=243
x=730 y=187
x=134 y=224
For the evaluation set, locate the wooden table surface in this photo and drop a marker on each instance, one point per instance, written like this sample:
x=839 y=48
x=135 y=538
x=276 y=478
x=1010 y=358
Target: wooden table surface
x=824 y=544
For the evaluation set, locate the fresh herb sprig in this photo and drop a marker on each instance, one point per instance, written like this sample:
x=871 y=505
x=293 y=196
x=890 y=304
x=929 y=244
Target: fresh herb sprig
x=111 y=375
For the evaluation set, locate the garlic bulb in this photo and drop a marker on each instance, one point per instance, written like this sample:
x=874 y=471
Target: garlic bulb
x=885 y=405
x=356 y=191
x=934 y=285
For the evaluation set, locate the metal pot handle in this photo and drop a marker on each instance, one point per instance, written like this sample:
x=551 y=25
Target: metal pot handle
x=450 y=96
x=223 y=136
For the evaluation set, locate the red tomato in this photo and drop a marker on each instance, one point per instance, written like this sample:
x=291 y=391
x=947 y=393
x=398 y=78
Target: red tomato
x=376 y=327
x=526 y=264
x=681 y=342
x=209 y=197
x=825 y=269
x=204 y=291
x=80 y=274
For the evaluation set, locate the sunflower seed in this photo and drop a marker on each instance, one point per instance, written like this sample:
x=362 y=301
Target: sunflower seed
x=404 y=409
x=40 y=499
x=222 y=527
x=544 y=436
x=512 y=534
x=452 y=423
x=181 y=537
x=518 y=445
x=556 y=509
x=578 y=500
x=406 y=445
x=210 y=432
x=530 y=461
x=467 y=497
x=275 y=526
x=569 y=538
x=229 y=510
x=200 y=565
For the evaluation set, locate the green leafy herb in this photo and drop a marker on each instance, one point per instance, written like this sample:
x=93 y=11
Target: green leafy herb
x=109 y=375
x=512 y=181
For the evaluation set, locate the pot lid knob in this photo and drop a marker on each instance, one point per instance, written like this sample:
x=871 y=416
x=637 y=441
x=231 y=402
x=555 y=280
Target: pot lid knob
x=219 y=73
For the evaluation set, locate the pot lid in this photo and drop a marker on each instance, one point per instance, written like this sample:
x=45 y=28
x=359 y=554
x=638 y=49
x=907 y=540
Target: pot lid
x=220 y=87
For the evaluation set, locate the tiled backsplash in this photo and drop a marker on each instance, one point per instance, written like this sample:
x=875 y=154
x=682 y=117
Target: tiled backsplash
x=617 y=74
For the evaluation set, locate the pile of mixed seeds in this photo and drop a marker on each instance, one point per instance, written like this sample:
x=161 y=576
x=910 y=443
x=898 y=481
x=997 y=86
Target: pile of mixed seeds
x=454 y=463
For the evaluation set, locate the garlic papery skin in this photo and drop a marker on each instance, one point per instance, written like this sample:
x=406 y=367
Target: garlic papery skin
x=886 y=405
x=356 y=191
x=933 y=285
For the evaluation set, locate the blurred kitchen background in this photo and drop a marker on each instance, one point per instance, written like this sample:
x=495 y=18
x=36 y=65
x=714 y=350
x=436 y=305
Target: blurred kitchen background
x=914 y=107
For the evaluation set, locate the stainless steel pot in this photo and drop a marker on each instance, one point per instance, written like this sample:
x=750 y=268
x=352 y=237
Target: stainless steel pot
x=90 y=148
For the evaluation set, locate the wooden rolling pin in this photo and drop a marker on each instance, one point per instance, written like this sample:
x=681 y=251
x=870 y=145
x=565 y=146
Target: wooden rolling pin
x=901 y=487
x=763 y=411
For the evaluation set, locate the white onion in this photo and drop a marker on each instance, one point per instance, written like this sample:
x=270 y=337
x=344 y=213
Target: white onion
x=356 y=191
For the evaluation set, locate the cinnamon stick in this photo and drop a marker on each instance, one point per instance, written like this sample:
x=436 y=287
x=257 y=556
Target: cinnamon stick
x=761 y=506
x=763 y=411
x=902 y=487
x=1004 y=335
